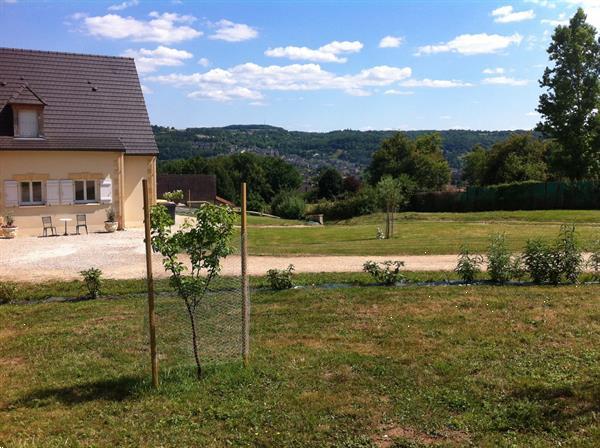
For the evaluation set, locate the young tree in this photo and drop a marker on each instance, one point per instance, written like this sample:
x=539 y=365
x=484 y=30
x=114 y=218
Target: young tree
x=570 y=105
x=206 y=242
x=394 y=193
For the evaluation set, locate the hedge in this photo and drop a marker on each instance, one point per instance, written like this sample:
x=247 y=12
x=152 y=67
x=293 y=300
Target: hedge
x=516 y=196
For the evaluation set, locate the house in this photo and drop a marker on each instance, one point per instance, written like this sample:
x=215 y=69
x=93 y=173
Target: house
x=74 y=138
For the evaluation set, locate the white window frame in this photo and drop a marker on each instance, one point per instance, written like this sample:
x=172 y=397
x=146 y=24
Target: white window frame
x=40 y=121
x=30 y=187
x=85 y=198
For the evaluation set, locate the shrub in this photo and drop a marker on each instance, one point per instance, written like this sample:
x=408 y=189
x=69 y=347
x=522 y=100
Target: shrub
x=593 y=262
x=386 y=272
x=554 y=262
x=536 y=258
x=364 y=202
x=92 y=278
x=175 y=196
x=569 y=254
x=288 y=205
x=280 y=279
x=468 y=266
x=8 y=292
x=111 y=215
x=9 y=220
x=500 y=264
x=256 y=203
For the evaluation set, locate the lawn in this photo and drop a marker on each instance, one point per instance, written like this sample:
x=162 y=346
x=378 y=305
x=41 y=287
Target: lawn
x=412 y=237
x=353 y=367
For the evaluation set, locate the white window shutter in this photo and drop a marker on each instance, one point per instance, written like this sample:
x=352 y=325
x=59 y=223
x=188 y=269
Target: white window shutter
x=53 y=192
x=106 y=191
x=67 y=192
x=11 y=193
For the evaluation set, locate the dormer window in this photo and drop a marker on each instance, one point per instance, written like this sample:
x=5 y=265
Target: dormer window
x=27 y=121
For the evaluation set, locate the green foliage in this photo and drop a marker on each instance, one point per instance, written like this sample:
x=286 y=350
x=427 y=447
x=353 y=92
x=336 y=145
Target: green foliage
x=256 y=203
x=469 y=265
x=354 y=147
x=92 y=279
x=593 y=262
x=281 y=279
x=206 y=241
x=9 y=220
x=265 y=176
x=395 y=193
x=386 y=272
x=554 y=262
x=569 y=106
x=111 y=215
x=363 y=203
x=421 y=159
x=330 y=184
x=499 y=259
x=8 y=292
x=288 y=205
x=175 y=196
x=520 y=158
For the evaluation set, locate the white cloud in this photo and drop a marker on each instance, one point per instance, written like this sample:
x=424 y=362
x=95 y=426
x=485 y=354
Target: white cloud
x=204 y=62
x=493 y=71
x=532 y=114
x=505 y=81
x=326 y=53
x=391 y=42
x=124 y=5
x=435 y=83
x=146 y=90
x=547 y=3
x=470 y=44
x=446 y=117
x=148 y=61
x=249 y=80
x=166 y=28
x=398 y=92
x=233 y=32
x=506 y=14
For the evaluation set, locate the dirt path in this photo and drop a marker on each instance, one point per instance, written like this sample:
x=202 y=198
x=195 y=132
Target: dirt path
x=121 y=255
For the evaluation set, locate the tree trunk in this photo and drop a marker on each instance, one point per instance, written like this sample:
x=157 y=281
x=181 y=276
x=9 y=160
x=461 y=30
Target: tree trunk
x=195 y=342
x=387 y=223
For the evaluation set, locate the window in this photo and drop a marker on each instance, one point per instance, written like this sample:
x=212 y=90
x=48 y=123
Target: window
x=31 y=193
x=85 y=191
x=28 y=123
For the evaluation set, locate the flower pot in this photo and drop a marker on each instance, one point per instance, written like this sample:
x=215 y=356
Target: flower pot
x=9 y=232
x=110 y=226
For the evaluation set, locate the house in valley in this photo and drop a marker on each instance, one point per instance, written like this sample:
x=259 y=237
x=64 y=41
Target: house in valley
x=75 y=138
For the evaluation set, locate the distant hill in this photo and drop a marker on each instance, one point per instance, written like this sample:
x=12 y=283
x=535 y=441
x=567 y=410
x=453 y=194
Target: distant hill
x=347 y=150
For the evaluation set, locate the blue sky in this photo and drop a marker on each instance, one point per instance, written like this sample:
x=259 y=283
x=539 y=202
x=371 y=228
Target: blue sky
x=314 y=65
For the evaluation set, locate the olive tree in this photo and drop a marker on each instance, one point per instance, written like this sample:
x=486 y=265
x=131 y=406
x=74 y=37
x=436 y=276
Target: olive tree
x=206 y=240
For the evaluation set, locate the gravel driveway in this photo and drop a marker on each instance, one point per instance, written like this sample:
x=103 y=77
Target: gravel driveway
x=121 y=255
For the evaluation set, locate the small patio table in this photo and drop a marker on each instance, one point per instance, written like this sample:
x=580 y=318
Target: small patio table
x=65 y=220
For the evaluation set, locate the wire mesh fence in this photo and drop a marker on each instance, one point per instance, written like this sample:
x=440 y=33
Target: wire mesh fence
x=217 y=320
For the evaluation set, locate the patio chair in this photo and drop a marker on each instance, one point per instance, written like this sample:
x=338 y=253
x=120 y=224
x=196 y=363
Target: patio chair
x=81 y=222
x=47 y=223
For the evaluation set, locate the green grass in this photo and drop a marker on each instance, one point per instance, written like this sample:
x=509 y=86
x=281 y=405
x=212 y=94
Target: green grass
x=444 y=366
x=412 y=237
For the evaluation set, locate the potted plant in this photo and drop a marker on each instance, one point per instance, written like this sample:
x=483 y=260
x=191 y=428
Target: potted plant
x=111 y=223
x=173 y=198
x=9 y=230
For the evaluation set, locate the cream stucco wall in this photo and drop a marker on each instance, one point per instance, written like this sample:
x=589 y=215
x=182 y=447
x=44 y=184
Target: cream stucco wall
x=44 y=165
x=136 y=169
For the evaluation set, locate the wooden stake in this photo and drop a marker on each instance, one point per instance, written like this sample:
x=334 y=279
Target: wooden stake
x=151 y=316
x=245 y=283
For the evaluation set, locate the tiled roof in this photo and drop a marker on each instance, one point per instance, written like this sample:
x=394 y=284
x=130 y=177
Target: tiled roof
x=91 y=102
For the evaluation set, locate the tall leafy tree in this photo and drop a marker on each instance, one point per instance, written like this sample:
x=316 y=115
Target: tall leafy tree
x=421 y=159
x=330 y=183
x=569 y=107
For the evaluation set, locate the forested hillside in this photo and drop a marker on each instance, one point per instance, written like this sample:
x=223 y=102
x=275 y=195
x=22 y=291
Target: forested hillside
x=348 y=150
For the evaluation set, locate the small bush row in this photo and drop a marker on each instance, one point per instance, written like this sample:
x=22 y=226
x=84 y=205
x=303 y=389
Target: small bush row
x=551 y=262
